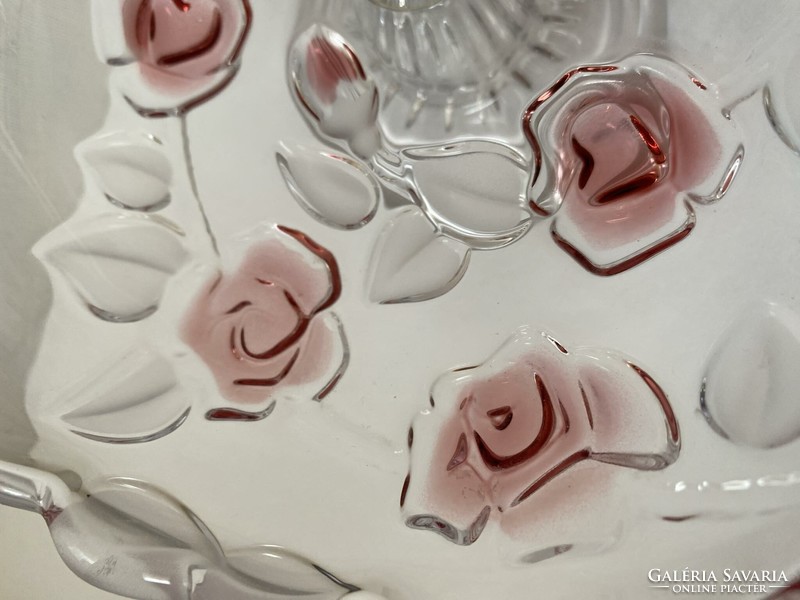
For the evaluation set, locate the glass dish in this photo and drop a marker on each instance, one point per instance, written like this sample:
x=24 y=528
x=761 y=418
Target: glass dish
x=388 y=300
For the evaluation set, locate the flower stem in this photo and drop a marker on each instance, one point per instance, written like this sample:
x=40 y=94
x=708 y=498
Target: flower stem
x=187 y=153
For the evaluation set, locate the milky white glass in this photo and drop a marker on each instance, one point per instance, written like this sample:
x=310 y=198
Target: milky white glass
x=388 y=300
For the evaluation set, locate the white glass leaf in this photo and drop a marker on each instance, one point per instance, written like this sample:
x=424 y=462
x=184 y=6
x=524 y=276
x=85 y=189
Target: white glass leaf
x=131 y=169
x=413 y=262
x=135 y=398
x=750 y=390
x=118 y=265
x=333 y=188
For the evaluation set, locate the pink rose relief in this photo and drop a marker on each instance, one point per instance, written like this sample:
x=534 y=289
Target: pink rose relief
x=188 y=49
x=265 y=331
x=498 y=433
x=619 y=151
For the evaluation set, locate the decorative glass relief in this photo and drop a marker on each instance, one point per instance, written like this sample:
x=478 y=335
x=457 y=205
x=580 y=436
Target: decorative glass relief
x=625 y=158
x=781 y=95
x=130 y=538
x=130 y=169
x=265 y=331
x=470 y=67
x=497 y=433
x=413 y=262
x=171 y=55
x=133 y=398
x=623 y=152
x=471 y=191
x=749 y=392
x=334 y=189
x=117 y=265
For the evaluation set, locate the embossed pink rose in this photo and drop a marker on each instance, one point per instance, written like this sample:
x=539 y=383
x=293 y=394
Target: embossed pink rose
x=497 y=433
x=264 y=330
x=619 y=151
x=184 y=50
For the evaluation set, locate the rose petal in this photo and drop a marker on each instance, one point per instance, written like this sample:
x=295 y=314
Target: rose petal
x=323 y=357
x=187 y=41
x=328 y=63
x=239 y=378
x=505 y=410
x=258 y=328
x=640 y=152
x=337 y=97
x=459 y=494
x=286 y=261
x=633 y=421
x=260 y=332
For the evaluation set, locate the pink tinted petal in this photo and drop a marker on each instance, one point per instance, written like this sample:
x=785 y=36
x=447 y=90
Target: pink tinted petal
x=609 y=130
x=622 y=150
x=551 y=430
x=214 y=341
x=634 y=424
x=287 y=264
x=566 y=507
x=261 y=331
x=264 y=310
x=257 y=328
x=453 y=490
x=505 y=410
x=696 y=146
x=316 y=353
x=649 y=206
x=462 y=497
x=566 y=445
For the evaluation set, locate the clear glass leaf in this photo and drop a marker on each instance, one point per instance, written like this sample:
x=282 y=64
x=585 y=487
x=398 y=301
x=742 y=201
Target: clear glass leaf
x=474 y=190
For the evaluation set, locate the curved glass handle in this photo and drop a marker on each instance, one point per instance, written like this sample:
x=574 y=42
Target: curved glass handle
x=33 y=490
